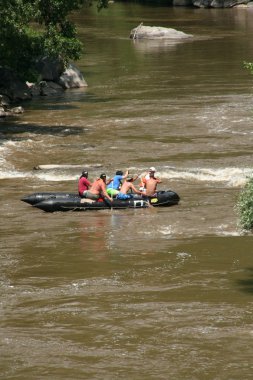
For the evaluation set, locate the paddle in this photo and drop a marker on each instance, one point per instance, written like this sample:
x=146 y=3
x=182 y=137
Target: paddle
x=108 y=202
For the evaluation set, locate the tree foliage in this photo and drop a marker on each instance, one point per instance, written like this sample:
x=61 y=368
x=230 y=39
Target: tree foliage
x=245 y=205
x=249 y=66
x=35 y=28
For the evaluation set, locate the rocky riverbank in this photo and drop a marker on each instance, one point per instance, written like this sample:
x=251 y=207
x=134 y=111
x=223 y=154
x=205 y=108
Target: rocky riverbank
x=53 y=79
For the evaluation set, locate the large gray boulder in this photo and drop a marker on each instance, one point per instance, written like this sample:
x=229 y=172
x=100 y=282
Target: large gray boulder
x=157 y=32
x=49 y=69
x=53 y=70
x=218 y=3
x=12 y=87
x=6 y=110
x=182 y=3
x=54 y=78
x=72 y=78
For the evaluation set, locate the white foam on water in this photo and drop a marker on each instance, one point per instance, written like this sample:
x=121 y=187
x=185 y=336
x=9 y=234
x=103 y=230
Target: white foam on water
x=183 y=255
x=225 y=230
x=59 y=174
x=10 y=143
x=229 y=176
x=166 y=231
x=55 y=177
x=8 y=171
x=232 y=177
x=229 y=233
x=11 y=173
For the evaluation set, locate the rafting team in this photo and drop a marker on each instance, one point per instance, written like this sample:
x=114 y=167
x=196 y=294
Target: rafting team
x=119 y=187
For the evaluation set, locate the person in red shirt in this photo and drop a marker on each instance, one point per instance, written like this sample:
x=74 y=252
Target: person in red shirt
x=83 y=183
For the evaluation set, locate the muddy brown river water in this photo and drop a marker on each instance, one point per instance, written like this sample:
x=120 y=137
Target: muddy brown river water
x=134 y=294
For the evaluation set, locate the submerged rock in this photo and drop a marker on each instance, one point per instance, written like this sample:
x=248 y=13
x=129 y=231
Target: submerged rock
x=65 y=166
x=46 y=88
x=6 y=110
x=17 y=110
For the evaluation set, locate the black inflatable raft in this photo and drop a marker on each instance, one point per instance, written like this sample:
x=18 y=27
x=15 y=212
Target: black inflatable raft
x=51 y=202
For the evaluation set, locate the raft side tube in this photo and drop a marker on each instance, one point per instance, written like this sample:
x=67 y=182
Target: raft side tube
x=70 y=201
x=34 y=198
x=163 y=198
x=73 y=204
x=54 y=204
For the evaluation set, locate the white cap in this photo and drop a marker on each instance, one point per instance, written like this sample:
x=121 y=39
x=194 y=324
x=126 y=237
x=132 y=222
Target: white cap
x=152 y=169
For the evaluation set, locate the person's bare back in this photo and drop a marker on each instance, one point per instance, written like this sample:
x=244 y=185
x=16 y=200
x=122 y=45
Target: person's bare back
x=128 y=186
x=97 y=187
x=151 y=185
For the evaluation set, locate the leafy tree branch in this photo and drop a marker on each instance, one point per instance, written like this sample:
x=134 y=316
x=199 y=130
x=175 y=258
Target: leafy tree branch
x=34 y=28
x=245 y=205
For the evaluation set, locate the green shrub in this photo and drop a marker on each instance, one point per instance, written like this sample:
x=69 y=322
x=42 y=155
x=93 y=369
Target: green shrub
x=248 y=66
x=245 y=205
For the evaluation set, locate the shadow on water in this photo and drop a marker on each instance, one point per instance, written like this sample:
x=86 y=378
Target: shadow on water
x=7 y=129
x=65 y=102
x=154 y=3
x=246 y=285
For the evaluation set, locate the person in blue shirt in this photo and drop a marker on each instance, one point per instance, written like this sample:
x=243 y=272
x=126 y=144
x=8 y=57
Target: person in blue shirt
x=114 y=186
